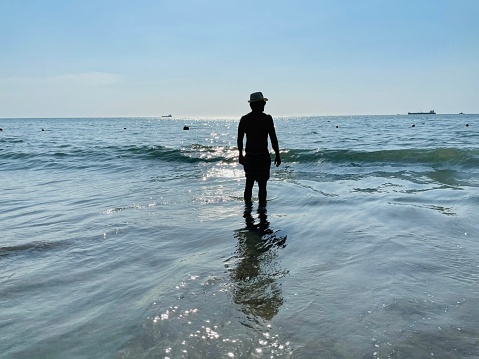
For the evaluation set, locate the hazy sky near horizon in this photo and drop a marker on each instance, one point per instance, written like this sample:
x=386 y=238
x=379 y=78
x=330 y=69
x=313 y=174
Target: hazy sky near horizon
x=88 y=58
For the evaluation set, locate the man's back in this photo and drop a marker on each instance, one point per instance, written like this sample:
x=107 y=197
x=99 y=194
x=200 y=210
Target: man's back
x=257 y=126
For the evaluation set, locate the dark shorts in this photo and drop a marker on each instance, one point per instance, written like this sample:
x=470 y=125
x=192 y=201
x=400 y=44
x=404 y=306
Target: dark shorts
x=257 y=166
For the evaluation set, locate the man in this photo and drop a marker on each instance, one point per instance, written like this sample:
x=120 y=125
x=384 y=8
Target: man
x=257 y=126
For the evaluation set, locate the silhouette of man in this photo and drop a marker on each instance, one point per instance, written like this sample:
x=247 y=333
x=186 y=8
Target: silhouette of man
x=257 y=126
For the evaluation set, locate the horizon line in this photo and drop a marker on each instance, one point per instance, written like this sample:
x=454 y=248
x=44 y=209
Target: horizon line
x=223 y=116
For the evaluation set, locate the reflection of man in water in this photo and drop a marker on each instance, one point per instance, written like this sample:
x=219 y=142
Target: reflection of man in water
x=255 y=276
x=257 y=126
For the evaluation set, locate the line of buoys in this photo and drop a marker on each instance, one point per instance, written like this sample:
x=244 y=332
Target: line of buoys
x=412 y=125
x=187 y=127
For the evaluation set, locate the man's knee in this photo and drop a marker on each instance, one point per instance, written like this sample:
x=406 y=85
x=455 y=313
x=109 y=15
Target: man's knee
x=262 y=184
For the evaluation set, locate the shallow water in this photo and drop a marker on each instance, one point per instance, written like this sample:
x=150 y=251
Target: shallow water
x=128 y=238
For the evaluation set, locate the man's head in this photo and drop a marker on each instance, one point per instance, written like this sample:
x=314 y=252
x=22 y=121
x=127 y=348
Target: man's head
x=257 y=101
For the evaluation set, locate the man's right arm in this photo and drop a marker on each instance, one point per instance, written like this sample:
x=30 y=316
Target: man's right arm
x=240 y=141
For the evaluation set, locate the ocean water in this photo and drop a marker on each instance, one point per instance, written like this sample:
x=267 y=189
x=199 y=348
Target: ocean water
x=129 y=238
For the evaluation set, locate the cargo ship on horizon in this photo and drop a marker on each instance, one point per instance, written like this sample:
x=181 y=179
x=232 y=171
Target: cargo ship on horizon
x=422 y=113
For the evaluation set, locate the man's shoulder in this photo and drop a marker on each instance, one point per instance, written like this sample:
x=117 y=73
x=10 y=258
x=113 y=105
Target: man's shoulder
x=256 y=115
x=268 y=116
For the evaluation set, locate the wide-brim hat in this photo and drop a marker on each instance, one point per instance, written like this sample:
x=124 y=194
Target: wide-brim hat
x=257 y=96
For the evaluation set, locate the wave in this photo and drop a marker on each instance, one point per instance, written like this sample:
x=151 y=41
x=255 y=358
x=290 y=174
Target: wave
x=75 y=157
x=10 y=140
x=197 y=153
x=437 y=156
x=190 y=154
x=30 y=246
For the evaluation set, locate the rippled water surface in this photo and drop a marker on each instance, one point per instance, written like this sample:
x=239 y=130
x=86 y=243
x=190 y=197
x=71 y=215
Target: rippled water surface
x=129 y=238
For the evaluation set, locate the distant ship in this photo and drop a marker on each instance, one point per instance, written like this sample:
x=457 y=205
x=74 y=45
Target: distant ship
x=422 y=113
x=167 y=115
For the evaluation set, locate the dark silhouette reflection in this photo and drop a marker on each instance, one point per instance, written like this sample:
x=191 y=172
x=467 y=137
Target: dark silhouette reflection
x=256 y=272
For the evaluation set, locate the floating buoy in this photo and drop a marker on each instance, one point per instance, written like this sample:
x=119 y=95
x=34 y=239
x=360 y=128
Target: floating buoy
x=186 y=128
x=467 y=125
x=413 y=125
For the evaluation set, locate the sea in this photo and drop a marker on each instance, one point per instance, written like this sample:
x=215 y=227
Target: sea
x=130 y=238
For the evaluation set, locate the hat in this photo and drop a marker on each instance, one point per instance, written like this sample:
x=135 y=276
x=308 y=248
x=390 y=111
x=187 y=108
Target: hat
x=257 y=96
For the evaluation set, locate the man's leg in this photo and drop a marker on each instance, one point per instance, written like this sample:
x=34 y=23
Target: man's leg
x=262 y=193
x=248 y=190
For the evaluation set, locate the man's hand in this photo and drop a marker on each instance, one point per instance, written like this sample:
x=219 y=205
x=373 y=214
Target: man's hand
x=241 y=159
x=277 y=160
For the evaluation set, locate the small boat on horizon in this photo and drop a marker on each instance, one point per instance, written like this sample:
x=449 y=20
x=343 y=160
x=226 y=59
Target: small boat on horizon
x=422 y=113
x=167 y=115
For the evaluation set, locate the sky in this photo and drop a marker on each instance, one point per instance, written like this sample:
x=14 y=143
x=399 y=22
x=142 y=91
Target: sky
x=202 y=58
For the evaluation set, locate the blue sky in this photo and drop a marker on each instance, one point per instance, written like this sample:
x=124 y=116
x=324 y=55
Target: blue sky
x=63 y=58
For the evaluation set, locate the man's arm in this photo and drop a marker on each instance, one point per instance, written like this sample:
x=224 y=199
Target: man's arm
x=240 y=142
x=274 y=143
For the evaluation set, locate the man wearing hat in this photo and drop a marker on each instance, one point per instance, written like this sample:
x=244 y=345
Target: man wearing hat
x=257 y=126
